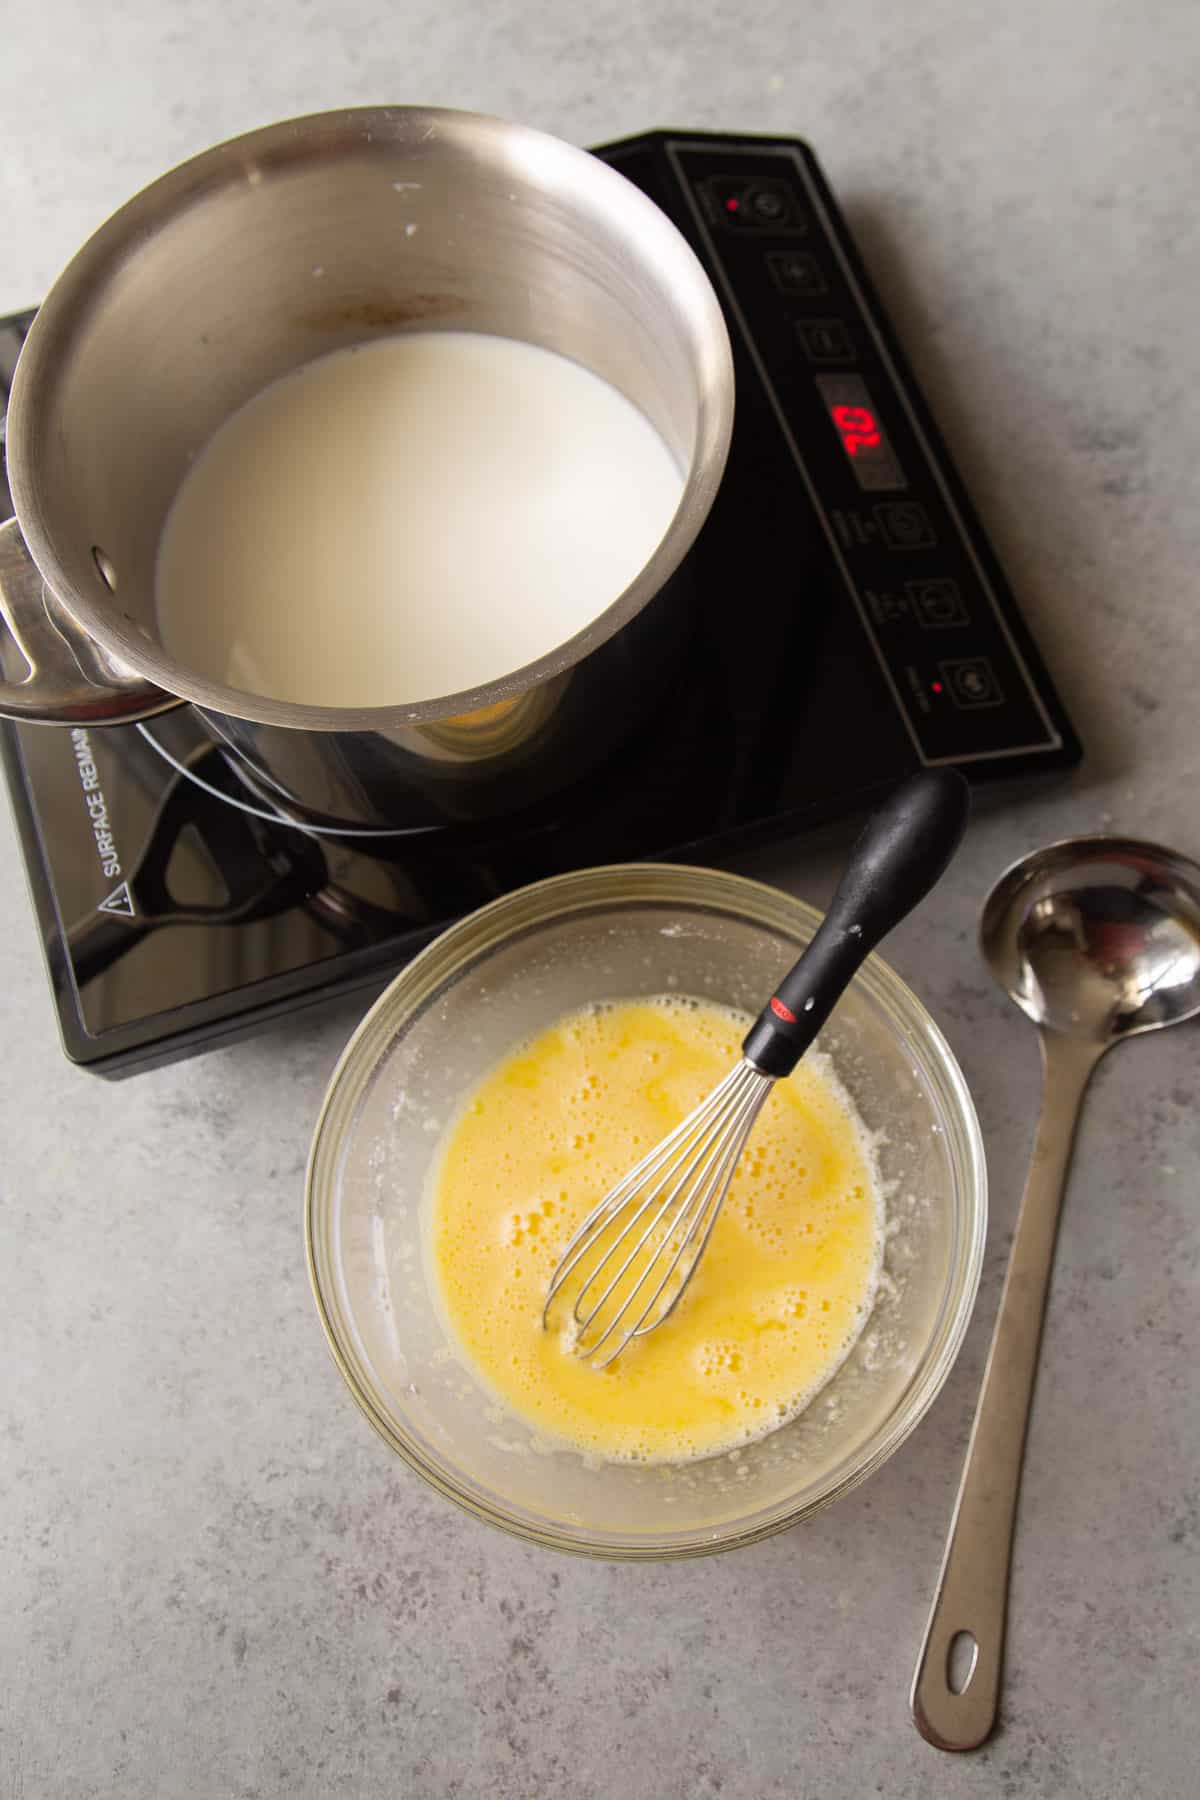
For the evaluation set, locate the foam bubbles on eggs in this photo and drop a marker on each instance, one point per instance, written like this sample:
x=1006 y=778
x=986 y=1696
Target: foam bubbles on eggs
x=785 y=1286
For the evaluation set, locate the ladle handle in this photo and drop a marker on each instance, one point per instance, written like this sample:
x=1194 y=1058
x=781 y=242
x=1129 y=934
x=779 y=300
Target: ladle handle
x=956 y=1687
x=902 y=850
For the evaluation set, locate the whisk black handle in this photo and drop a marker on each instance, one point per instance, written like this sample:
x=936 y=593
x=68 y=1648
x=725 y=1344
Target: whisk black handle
x=903 y=849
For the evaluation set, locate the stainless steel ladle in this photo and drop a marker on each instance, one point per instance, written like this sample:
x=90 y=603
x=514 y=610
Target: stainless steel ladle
x=1096 y=939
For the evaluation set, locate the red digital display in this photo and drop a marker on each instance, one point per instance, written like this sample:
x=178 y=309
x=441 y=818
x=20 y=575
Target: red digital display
x=858 y=426
x=854 y=417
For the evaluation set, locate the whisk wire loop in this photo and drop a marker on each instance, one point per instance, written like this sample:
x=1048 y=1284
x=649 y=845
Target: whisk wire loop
x=686 y=1177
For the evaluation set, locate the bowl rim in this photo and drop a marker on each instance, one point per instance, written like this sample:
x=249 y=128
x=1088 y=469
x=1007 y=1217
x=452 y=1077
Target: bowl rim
x=504 y=920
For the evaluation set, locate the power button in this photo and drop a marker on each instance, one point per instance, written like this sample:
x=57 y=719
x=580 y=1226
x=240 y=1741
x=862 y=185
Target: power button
x=768 y=203
x=765 y=204
x=972 y=682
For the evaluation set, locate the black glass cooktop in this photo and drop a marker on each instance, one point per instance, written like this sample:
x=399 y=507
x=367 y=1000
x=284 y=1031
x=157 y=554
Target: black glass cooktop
x=851 y=624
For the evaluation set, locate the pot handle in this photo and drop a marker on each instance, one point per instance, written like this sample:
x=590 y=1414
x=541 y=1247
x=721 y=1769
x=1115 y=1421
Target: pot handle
x=67 y=679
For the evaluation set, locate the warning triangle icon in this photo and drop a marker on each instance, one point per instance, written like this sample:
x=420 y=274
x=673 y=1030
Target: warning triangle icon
x=120 y=901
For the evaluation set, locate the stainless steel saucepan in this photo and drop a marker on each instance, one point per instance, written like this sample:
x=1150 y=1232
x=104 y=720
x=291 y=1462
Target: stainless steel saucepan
x=249 y=261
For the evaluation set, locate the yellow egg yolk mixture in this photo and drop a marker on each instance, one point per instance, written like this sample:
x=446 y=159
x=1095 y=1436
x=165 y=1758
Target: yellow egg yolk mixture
x=783 y=1288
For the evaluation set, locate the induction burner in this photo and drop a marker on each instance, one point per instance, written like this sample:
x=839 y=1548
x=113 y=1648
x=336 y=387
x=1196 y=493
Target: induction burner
x=852 y=624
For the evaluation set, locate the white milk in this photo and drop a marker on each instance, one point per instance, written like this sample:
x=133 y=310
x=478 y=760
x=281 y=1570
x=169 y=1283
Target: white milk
x=407 y=519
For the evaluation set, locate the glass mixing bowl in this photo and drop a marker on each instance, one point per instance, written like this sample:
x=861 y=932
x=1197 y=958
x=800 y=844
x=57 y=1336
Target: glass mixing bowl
x=474 y=994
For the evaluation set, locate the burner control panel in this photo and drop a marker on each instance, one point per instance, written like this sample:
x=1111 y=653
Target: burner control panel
x=897 y=525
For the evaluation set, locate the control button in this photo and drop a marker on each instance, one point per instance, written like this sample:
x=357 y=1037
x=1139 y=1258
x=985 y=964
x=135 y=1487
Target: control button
x=937 y=603
x=825 y=341
x=769 y=204
x=749 y=205
x=796 y=272
x=972 y=682
x=904 y=525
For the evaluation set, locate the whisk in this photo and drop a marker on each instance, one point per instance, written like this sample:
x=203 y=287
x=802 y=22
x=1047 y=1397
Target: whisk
x=637 y=1250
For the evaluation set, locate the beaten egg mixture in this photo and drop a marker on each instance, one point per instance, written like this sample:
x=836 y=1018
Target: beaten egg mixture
x=780 y=1295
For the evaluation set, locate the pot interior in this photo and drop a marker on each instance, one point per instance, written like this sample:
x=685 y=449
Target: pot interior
x=266 y=252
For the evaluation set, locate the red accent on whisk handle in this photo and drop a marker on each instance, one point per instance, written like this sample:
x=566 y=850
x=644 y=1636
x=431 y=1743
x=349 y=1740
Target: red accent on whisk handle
x=904 y=848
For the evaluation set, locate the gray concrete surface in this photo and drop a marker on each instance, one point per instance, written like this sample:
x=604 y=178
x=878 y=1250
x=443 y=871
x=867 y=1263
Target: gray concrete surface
x=213 y=1579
